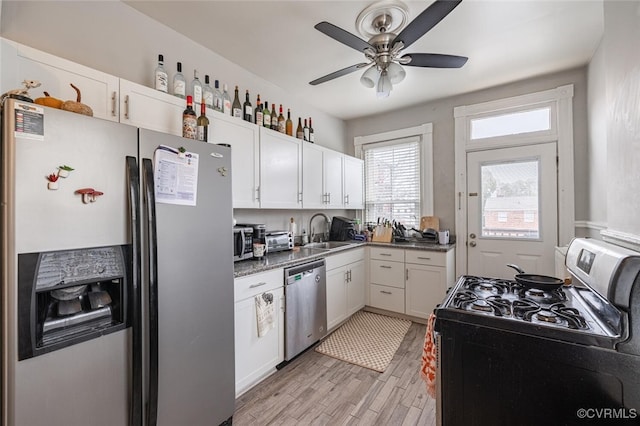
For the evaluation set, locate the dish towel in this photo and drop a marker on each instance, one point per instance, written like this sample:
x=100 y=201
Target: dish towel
x=429 y=354
x=265 y=313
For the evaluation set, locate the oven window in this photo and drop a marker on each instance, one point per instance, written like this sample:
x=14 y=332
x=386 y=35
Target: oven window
x=510 y=199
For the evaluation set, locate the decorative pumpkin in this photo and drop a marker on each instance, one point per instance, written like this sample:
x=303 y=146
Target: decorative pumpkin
x=49 y=101
x=77 y=106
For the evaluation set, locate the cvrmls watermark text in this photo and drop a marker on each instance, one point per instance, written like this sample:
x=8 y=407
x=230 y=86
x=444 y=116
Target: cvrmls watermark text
x=607 y=413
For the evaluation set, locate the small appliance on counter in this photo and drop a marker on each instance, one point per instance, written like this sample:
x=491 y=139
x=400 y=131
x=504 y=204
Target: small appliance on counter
x=342 y=229
x=259 y=231
x=242 y=242
x=278 y=241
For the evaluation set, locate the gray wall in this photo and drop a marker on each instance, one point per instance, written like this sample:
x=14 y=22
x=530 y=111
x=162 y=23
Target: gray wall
x=440 y=113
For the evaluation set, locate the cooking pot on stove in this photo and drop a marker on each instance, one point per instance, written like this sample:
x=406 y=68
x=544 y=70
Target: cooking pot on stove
x=542 y=282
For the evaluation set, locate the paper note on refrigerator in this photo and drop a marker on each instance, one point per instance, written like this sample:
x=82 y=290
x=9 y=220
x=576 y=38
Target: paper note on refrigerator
x=176 y=177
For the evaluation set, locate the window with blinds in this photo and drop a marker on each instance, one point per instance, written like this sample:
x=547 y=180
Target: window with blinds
x=392 y=181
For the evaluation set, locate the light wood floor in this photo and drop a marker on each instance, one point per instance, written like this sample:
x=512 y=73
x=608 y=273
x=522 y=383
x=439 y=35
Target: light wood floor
x=315 y=389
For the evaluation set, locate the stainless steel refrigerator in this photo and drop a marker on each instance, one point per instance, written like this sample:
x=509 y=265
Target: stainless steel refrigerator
x=117 y=275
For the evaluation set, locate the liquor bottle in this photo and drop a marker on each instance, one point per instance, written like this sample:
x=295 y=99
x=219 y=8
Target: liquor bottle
x=160 y=77
x=226 y=101
x=311 y=135
x=289 y=123
x=203 y=124
x=217 y=98
x=247 y=108
x=179 y=83
x=189 y=121
x=236 y=107
x=282 y=123
x=299 y=130
x=305 y=130
x=257 y=113
x=274 y=118
x=196 y=88
x=266 y=116
x=207 y=93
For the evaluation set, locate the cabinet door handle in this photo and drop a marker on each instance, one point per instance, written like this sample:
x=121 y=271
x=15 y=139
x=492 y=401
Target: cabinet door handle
x=113 y=104
x=424 y=258
x=329 y=194
x=257 y=285
x=299 y=197
x=349 y=275
x=346 y=199
x=385 y=292
x=406 y=274
x=385 y=266
x=385 y=254
x=257 y=193
x=126 y=107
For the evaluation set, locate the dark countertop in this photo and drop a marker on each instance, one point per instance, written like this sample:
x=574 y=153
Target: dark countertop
x=300 y=255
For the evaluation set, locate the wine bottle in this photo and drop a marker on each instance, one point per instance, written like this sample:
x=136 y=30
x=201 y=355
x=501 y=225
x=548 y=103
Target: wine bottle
x=160 y=77
x=226 y=101
x=217 y=97
x=299 y=130
x=236 y=107
x=196 y=88
x=207 y=93
x=305 y=130
x=282 y=123
x=247 y=108
x=189 y=121
x=289 y=123
x=203 y=124
x=266 y=116
x=311 y=135
x=274 y=118
x=257 y=113
x=179 y=83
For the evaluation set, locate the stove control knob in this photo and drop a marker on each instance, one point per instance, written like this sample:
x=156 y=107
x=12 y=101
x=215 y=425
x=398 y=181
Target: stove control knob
x=472 y=243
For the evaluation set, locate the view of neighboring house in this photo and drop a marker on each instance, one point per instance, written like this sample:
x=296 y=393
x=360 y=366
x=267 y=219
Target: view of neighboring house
x=511 y=217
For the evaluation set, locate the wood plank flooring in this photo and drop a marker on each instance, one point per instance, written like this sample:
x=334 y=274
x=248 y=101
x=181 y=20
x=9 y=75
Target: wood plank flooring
x=315 y=389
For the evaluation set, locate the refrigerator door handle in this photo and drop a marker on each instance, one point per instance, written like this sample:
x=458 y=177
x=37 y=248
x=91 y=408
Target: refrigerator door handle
x=152 y=244
x=135 y=306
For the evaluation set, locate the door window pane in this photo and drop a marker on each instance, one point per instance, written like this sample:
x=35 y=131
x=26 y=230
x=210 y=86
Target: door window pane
x=510 y=200
x=511 y=124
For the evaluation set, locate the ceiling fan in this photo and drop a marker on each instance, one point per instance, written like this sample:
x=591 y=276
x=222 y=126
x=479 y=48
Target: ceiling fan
x=383 y=51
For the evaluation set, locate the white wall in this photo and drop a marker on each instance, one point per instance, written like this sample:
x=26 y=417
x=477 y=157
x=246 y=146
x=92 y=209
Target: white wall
x=112 y=37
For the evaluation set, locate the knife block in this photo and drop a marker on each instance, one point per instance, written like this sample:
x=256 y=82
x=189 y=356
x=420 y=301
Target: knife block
x=382 y=234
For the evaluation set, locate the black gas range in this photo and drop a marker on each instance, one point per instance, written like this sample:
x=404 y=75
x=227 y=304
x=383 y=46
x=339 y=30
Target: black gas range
x=509 y=354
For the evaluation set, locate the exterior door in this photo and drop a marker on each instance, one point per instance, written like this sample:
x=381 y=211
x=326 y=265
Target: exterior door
x=512 y=210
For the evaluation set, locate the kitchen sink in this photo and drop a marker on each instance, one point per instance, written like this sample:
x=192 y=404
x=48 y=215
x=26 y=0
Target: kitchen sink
x=328 y=245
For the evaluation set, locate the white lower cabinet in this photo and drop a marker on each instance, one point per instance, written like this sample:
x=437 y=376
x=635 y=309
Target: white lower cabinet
x=345 y=285
x=425 y=287
x=256 y=357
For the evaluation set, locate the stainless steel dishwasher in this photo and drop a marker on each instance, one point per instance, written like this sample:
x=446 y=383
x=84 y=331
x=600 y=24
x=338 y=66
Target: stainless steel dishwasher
x=305 y=306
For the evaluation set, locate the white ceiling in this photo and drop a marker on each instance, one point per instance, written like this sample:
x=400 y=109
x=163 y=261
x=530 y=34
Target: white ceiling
x=505 y=41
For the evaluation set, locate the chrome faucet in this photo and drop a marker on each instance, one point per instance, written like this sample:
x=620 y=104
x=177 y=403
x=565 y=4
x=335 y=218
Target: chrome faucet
x=325 y=233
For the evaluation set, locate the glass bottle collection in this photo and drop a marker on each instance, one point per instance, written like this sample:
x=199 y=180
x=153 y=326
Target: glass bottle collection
x=196 y=127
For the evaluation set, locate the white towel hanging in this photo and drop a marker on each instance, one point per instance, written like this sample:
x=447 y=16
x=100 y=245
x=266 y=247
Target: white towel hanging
x=265 y=313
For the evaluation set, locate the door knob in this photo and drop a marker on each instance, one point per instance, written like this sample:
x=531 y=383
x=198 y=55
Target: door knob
x=472 y=243
x=472 y=236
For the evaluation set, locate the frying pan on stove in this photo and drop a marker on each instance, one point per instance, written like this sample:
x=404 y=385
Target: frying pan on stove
x=542 y=282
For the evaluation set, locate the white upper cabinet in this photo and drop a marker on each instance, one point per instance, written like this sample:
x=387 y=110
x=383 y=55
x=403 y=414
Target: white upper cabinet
x=280 y=170
x=353 y=183
x=142 y=106
x=332 y=177
x=99 y=90
x=313 y=195
x=245 y=153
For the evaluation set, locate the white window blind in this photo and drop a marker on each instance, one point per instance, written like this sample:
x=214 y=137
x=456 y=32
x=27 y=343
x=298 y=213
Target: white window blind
x=392 y=181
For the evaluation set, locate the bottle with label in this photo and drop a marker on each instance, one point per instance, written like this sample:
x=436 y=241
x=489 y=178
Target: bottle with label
x=196 y=88
x=293 y=228
x=282 y=123
x=257 y=113
x=217 y=97
x=203 y=124
x=305 y=130
x=226 y=101
x=289 y=123
x=266 y=116
x=160 y=78
x=189 y=121
x=247 y=108
x=274 y=118
x=299 y=130
x=207 y=93
x=179 y=83
x=236 y=107
x=311 y=135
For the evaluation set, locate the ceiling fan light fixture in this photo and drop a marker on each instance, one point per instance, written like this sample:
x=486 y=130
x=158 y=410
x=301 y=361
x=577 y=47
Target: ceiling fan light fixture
x=370 y=77
x=396 y=73
x=384 y=85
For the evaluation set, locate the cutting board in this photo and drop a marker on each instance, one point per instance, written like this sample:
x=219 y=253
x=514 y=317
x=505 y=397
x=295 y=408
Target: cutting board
x=429 y=222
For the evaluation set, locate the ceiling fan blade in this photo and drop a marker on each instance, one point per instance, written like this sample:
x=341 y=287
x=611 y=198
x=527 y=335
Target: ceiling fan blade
x=435 y=60
x=428 y=19
x=342 y=36
x=338 y=73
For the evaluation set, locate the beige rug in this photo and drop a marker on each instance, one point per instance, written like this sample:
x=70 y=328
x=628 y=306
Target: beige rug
x=366 y=339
